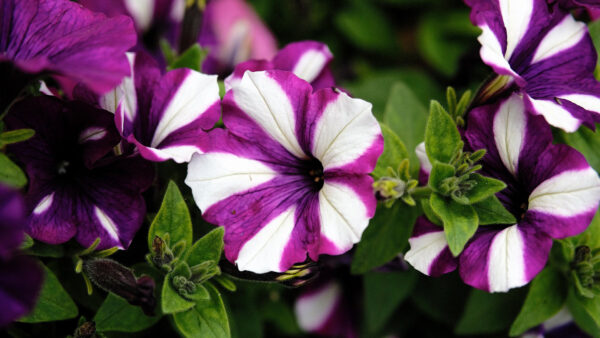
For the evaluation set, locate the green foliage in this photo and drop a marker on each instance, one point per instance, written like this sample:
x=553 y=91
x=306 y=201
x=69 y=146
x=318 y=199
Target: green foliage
x=366 y=26
x=442 y=139
x=171 y=299
x=54 y=303
x=394 y=152
x=585 y=311
x=116 y=314
x=207 y=319
x=484 y=188
x=207 y=248
x=585 y=141
x=384 y=292
x=10 y=173
x=491 y=211
x=385 y=237
x=487 y=313
x=15 y=136
x=192 y=58
x=460 y=221
x=440 y=172
x=547 y=295
x=172 y=220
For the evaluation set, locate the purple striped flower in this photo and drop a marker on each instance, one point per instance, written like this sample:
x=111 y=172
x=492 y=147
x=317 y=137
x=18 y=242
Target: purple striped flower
x=551 y=190
x=61 y=37
x=165 y=116
x=233 y=33
x=308 y=60
x=20 y=277
x=544 y=52
x=289 y=176
x=77 y=188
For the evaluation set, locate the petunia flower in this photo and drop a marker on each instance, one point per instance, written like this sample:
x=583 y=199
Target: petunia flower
x=77 y=187
x=308 y=60
x=543 y=51
x=289 y=177
x=551 y=190
x=164 y=116
x=61 y=37
x=233 y=33
x=20 y=277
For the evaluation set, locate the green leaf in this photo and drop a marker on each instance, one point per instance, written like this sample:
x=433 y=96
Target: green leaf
x=407 y=117
x=442 y=138
x=173 y=218
x=491 y=211
x=585 y=311
x=54 y=303
x=280 y=314
x=460 y=221
x=484 y=188
x=385 y=237
x=546 y=296
x=367 y=27
x=439 y=172
x=10 y=173
x=383 y=294
x=489 y=312
x=41 y=249
x=594 y=29
x=16 y=136
x=206 y=319
x=209 y=247
x=171 y=300
x=27 y=242
x=394 y=152
x=192 y=58
x=431 y=216
x=584 y=140
x=225 y=282
x=115 y=314
x=200 y=294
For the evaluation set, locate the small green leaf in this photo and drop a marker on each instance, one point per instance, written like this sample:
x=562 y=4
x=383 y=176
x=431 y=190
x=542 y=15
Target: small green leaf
x=489 y=312
x=200 y=294
x=547 y=295
x=206 y=319
x=171 y=300
x=115 y=314
x=27 y=242
x=16 y=136
x=192 y=58
x=385 y=237
x=491 y=211
x=54 y=303
x=431 y=216
x=442 y=138
x=460 y=221
x=173 y=219
x=41 y=249
x=383 y=294
x=484 y=188
x=10 y=173
x=585 y=311
x=439 y=172
x=225 y=282
x=209 y=247
x=393 y=152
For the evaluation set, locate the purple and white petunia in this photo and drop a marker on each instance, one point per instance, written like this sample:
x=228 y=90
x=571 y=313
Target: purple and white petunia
x=545 y=53
x=308 y=60
x=20 y=276
x=63 y=38
x=233 y=33
x=165 y=116
x=322 y=309
x=77 y=187
x=551 y=190
x=290 y=175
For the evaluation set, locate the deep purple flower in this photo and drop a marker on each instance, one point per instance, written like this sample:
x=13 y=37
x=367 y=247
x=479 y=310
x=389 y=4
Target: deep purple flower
x=77 y=187
x=545 y=53
x=289 y=177
x=20 y=277
x=308 y=60
x=165 y=116
x=551 y=190
x=233 y=33
x=61 y=37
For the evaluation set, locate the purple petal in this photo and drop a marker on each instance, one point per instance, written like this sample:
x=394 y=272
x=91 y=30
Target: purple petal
x=429 y=252
x=20 y=283
x=12 y=221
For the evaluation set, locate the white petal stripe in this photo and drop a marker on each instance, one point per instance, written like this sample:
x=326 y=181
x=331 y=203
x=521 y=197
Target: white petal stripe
x=568 y=194
x=506 y=260
x=216 y=176
x=310 y=65
x=555 y=114
x=423 y=159
x=516 y=15
x=44 y=204
x=193 y=97
x=313 y=310
x=587 y=102
x=344 y=132
x=562 y=37
x=509 y=131
x=263 y=252
x=425 y=249
x=107 y=223
x=343 y=215
x=263 y=99
x=491 y=50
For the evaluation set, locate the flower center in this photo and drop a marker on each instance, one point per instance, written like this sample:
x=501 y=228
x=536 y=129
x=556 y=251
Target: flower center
x=62 y=167
x=314 y=169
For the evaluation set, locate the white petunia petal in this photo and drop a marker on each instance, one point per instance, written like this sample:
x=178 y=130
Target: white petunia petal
x=516 y=15
x=491 y=51
x=314 y=309
x=423 y=159
x=124 y=94
x=555 y=114
x=509 y=131
x=107 y=223
x=311 y=64
x=425 y=249
x=142 y=12
x=587 y=102
x=506 y=262
x=562 y=37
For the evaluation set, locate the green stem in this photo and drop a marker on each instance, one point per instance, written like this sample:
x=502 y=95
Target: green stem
x=421 y=192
